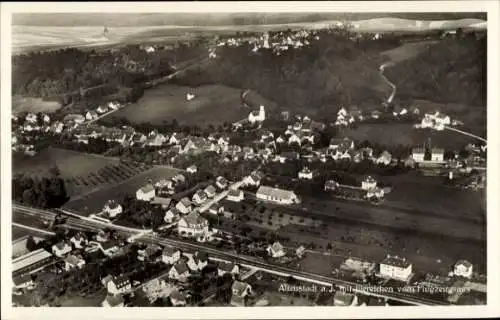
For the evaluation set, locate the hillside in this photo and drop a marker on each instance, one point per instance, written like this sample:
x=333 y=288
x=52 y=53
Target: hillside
x=447 y=71
x=336 y=71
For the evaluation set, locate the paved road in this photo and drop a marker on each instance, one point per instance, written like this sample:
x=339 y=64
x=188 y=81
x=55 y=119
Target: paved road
x=248 y=262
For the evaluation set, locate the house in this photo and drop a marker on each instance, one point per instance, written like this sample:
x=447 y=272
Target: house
x=150 y=253
x=161 y=201
x=102 y=109
x=109 y=248
x=418 y=154
x=397 y=268
x=305 y=174
x=463 y=268
x=377 y=193
x=280 y=139
x=61 y=248
x=179 y=178
x=384 y=158
x=192 y=225
x=102 y=236
x=179 y=271
x=198 y=261
x=192 y=169
x=257 y=116
x=177 y=299
x=221 y=182
x=295 y=138
x=164 y=183
x=331 y=185
x=91 y=115
x=113 y=301
x=277 y=195
x=240 y=290
x=156 y=140
x=276 y=250
x=170 y=255
x=57 y=127
x=184 y=206
x=253 y=179
x=113 y=105
x=79 y=241
x=368 y=183
x=23 y=282
x=112 y=208
x=216 y=209
x=31 y=118
x=106 y=280
x=72 y=261
x=224 y=267
x=146 y=193
x=344 y=299
x=437 y=154
x=118 y=285
x=199 y=197
x=235 y=195
x=299 y=252
x=171 y=215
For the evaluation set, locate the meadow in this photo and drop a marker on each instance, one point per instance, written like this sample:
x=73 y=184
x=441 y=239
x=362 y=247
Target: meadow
x=26 y=104
x=213 y=104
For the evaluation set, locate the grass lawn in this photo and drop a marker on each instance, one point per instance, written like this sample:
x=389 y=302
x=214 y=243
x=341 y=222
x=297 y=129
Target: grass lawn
x=27 y=104
x=93 y=202
x=213 y=104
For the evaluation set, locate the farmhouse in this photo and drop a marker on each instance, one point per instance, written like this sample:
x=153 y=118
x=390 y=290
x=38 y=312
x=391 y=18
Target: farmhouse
x=112 y=208
x=146 y=193
x=305 y=174
x=192 y=225
x=119 y=285
x=170 y=255
x=394 y=267
x=224 y=267
x=102 y=109
x=72 y=261
x=463 y=268
x=368 y=183
x=253 y=179
x=171 y=215
x=210 y=191
x=192 y=169
x=276 y=250
x=384 y=158
x=277 y=195
x=418 y=154
x=235 y=195
x=60 y=249
x=198 y=261
x=184 y=206
x=161 y=201
x=177 y=299
x=221 y=182
x=199 y=197
x=331 y=185
x=91 y=115
x=179 y=271
x=437 y=154
x=240 y=290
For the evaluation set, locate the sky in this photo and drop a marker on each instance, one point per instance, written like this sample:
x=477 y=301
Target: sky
x=211 y=19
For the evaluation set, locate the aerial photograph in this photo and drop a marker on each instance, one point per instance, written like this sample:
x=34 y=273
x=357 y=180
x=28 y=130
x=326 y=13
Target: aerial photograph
x=248 y=159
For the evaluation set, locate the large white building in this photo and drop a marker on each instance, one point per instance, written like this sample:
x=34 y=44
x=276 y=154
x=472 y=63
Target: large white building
x=396 y=268
x=258 y=116
x=277 y=195
x=437 y=154
x=192 y=225
x=418 y=154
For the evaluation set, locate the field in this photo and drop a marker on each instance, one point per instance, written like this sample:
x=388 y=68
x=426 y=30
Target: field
x=25 y=104
x=212 y=104
x=82 y=172
x=406 y=51
x=93 y=202
x=405 y=134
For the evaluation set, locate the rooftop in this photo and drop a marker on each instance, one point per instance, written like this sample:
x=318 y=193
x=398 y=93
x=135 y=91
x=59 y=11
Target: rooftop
x=275 y=192
x=396 y=262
